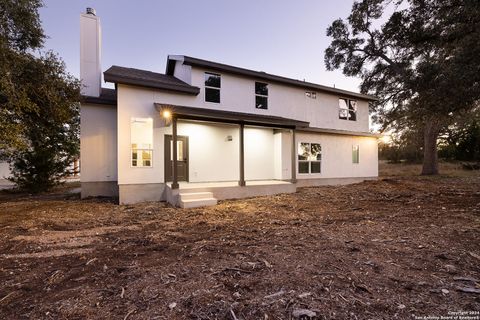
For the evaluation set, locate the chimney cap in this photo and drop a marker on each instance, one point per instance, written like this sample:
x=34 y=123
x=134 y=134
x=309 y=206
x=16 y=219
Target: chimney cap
x=91 y=11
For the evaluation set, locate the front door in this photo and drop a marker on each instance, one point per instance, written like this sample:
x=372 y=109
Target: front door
x=182 y=158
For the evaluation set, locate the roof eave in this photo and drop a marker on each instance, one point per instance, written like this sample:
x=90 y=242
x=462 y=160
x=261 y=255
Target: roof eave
x=270 y=77
x=136 y=82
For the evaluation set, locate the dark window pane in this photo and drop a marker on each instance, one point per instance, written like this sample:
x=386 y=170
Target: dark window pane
x=303 y=167
x=212 y=95
x=352 y=110
x=261 y=102
x=212 y=80
x=261 y=88
x=315 y=167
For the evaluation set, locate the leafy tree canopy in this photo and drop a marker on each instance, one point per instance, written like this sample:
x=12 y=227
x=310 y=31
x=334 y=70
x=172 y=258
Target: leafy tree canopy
x=39 y=111
x=421 y=58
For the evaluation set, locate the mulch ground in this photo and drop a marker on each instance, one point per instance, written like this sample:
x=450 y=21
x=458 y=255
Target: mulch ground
x=392 y=249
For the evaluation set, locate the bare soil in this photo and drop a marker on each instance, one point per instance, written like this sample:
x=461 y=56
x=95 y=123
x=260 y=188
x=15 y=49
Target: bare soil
x=389 y=249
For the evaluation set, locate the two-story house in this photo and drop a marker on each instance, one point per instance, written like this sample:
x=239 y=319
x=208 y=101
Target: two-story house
x=204 y=131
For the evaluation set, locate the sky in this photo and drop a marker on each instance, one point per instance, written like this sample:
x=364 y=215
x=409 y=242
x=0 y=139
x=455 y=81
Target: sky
x=281 y=37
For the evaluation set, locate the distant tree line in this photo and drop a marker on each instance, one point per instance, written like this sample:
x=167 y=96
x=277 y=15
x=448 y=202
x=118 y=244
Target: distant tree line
x=459 y=141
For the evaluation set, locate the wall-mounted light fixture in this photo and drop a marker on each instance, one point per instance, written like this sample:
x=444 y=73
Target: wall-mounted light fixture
x=166 y=115
x=229 y=138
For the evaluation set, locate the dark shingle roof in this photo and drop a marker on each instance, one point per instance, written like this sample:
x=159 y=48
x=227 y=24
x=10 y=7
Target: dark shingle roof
x=260 y=75
x=149 y=79
x=107 y=96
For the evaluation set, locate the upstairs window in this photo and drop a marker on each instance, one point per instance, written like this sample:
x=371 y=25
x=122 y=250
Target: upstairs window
x=311 y=94
x=141 y=137
x=261 y=95
x=212 y=87
x=347 y=109
x=356 y=154
x=309 y=157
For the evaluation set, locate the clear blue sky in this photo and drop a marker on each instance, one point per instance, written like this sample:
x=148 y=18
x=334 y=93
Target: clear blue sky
x=281 y=37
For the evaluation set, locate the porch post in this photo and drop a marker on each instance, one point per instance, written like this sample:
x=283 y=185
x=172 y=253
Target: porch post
x=294 y=158
x=241 y=182
x=174 y=153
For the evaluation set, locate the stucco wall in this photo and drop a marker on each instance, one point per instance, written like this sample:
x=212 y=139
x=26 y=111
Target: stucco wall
x=214 y=158
x=4 y=170
x=98 y=143
x=238 y=94
x=337 y=156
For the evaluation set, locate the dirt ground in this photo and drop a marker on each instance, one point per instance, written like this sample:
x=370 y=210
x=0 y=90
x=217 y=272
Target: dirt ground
x=398 y=248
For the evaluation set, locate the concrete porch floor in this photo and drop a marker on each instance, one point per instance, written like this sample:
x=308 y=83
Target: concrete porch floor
x=230 y=189
x=220 y=184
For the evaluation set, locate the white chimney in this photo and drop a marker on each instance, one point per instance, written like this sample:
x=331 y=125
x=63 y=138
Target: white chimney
x=90 y=47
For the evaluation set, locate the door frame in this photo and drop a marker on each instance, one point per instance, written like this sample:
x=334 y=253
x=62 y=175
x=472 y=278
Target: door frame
x=166 y=160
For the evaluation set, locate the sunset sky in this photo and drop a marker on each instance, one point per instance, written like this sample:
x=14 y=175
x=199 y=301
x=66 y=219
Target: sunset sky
x=286 y=38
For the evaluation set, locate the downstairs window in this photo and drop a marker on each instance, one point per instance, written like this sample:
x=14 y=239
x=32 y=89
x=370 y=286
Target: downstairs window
x=309 y=157
x=141 y=136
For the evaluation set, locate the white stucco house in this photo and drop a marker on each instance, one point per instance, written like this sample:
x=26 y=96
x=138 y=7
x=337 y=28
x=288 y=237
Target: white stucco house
x=204 y=131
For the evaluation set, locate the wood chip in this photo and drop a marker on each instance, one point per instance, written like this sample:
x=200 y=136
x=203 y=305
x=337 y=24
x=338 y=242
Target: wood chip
x=301 y=313
x=474 y=255
x=468 y=289
x=274 y=295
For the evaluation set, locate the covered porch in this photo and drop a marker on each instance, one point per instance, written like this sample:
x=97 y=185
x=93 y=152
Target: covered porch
x=255 y=150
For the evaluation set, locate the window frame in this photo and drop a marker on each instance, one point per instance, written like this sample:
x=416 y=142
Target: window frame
x=348 y=109
x=140 y=149
x=212 y=88
x=309 y=161
x=261 y=95
x=356 y=149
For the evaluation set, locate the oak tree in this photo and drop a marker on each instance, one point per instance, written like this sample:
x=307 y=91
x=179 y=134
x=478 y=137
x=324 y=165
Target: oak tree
x=421 y=58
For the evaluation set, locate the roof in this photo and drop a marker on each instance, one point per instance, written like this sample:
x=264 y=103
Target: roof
x=203 y=114
x=342 y=132
x=107 y=97
x=260 y=75
x=148 y=79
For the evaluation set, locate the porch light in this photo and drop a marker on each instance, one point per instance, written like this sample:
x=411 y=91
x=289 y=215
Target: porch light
x=166 y=114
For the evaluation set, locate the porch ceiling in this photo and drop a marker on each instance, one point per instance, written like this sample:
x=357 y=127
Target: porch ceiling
x=192 y=113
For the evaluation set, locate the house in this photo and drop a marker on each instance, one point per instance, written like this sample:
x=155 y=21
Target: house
x=204 y=131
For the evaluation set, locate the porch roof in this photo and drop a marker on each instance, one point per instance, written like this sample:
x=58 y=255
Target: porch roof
x=193 y=113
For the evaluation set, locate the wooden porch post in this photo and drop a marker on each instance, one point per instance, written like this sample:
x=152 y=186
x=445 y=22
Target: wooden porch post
x=174 y=153
x=241 y=182
x=294 y=158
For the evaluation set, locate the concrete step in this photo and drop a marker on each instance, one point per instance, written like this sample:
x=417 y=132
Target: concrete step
x=195 y=195
x=196 y=203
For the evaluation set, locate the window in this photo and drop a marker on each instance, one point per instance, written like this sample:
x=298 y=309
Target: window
x=347 y=109
x=261 y=95
x=309 y=157
x=311 y=94
x=212 y=87
x=141 y=136
x=356 y=154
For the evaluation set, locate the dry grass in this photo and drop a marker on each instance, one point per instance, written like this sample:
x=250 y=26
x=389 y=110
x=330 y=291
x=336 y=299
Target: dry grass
x=450 y=169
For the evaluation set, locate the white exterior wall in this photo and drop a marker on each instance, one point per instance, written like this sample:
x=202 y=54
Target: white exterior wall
x=98 y=143
x=238 y=94
x=212 y=157
x=337 y=156
x=4 y=170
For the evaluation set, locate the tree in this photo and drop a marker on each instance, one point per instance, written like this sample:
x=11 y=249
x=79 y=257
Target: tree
x=422 y=62
x=39 y=112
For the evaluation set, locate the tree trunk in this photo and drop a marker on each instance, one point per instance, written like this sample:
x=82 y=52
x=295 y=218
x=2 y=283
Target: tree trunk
x=430 y=155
